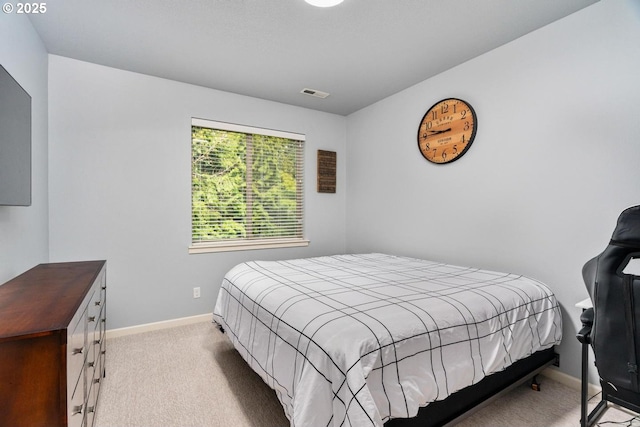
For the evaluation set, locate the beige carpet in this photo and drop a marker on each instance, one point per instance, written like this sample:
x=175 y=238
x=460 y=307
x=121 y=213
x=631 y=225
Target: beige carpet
x=192 y=376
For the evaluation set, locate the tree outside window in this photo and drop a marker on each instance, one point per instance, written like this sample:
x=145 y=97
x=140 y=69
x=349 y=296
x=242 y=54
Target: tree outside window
x=246 y=184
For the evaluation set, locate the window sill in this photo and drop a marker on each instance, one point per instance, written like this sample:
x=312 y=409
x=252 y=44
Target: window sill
x=201 y=248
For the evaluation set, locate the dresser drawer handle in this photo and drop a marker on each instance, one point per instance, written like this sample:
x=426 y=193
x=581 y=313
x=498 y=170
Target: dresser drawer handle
x=90 y=409
x=92 y=319
x=96 y=380
x=76 y=410
x=77 y=351
x=96 y=342
x=90 y=364
x=98 y=303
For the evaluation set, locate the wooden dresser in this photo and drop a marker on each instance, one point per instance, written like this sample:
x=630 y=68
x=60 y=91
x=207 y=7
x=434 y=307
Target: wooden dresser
x=52 y=344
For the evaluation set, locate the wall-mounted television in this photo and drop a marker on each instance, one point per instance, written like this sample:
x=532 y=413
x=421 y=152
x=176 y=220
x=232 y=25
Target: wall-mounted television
x=15 y=142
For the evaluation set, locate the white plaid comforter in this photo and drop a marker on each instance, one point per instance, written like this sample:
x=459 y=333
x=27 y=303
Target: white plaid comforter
x=355 y=340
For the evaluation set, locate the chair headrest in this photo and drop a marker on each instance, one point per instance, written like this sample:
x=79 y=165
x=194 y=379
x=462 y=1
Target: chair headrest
x=627 y=231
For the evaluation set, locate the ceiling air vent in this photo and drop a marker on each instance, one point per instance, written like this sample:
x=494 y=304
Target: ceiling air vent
x=313 y=92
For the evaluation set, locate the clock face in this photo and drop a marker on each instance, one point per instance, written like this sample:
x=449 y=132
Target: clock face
x=447 y=131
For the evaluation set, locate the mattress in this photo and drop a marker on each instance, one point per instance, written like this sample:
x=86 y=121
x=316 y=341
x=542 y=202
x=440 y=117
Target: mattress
x=358 y=339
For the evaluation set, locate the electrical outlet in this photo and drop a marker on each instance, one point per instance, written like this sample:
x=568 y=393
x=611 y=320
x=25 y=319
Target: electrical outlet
x=196 y=292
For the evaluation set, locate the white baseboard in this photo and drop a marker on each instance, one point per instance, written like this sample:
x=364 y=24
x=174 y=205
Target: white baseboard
x=132 y=330
x=569 y=381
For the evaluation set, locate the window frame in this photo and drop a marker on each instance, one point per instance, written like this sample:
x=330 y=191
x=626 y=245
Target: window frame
x=248 y=243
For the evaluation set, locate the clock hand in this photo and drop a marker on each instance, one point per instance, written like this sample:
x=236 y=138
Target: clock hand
x=435 y=132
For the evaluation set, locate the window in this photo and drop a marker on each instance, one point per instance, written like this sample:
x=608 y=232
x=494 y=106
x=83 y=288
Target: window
x=246 y=187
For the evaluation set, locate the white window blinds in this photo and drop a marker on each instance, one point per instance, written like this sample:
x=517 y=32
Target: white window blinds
x=246 y=186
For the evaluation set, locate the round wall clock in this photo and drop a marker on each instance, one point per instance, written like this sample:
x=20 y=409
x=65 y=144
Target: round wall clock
x=447 y=130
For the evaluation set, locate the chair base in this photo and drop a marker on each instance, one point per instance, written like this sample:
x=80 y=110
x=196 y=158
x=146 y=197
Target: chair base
x=589 y=420
x=621 y=397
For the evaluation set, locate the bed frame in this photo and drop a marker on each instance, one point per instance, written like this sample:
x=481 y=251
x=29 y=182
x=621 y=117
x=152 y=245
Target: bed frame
x=465 y=402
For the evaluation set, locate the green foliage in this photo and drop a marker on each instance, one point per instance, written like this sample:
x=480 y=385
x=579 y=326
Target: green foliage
x=223 y=205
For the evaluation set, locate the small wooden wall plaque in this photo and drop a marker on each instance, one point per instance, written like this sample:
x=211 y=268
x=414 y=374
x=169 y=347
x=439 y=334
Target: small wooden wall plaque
x=326 y=171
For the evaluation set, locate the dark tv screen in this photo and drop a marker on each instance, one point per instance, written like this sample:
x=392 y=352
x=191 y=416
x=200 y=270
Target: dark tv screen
x=15 y=142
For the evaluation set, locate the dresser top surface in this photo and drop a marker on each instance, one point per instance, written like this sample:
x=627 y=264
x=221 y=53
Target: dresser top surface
x=45 y=298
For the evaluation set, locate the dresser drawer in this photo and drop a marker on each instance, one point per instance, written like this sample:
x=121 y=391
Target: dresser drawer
x=76 y=408
x=76 y=354
x=91 y=404
x=102 y=355
x=94 y=307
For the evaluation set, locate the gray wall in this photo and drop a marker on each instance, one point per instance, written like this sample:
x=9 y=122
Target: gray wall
x=24 y=232
x=555 y=159
x=120 y=184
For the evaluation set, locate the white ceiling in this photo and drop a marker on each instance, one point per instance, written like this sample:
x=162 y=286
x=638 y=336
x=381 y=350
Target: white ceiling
x=359 y=51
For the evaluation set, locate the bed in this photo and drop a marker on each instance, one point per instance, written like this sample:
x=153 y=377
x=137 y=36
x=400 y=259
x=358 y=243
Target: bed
x=372 y=339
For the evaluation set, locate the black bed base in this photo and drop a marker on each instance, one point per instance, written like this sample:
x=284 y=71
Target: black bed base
x=461 y=403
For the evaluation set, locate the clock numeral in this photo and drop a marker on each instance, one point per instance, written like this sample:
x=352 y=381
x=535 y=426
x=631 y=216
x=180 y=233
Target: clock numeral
x=426 y=146
x=466 y=126
x=455 y=150
x=463 y=114
x=434 y=115
x=444 y=109
x=463 y=138
x=444 y=155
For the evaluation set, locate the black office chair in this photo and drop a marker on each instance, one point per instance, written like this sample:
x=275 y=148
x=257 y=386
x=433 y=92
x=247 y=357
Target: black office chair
x=612 y=326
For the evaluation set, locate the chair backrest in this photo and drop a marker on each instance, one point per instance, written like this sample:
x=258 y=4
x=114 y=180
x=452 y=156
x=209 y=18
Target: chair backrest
x=614 y=336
